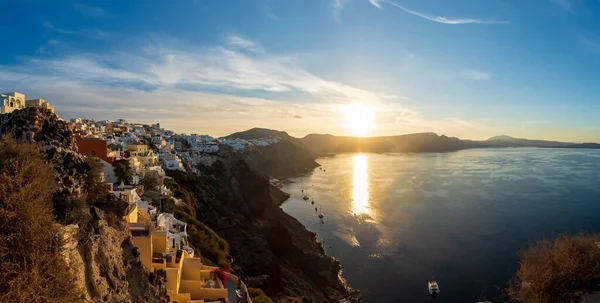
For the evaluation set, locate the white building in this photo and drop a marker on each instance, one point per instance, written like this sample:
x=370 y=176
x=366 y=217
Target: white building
x=11 y=101
x=39 y=103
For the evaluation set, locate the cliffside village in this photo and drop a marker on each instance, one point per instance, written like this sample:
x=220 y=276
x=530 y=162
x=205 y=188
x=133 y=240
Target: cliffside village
x=160 y=237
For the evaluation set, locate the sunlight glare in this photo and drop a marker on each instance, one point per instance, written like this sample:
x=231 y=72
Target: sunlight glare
x=358 y=119
x=361 y=186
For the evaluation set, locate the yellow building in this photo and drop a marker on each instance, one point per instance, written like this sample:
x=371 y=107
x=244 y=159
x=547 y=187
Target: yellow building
x=40 y=103
x=187 y=279
x=11 y=101
x=144 y=155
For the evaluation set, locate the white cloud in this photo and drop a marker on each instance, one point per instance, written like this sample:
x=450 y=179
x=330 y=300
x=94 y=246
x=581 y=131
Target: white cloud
x=476 y=75
x=239 y=42
x=439 y=19
x=593 y=44
x=338 y=6
x=206 y=90
x=91 y=11
x=564 y=4
x=93 y=33
x=376 y=3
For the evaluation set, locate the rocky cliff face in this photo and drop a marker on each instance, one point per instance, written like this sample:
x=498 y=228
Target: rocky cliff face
x=38 y=125
x=280 y=160
x=98 y=247
x=273 y=249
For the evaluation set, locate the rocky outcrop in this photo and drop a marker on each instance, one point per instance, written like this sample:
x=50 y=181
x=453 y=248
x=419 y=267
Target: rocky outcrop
x=99 y=250
x=280 y=160
x=112 y=267
x=273 y=249
x=41 y=126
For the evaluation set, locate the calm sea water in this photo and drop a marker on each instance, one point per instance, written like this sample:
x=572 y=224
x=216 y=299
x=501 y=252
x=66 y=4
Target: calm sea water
x=397 y=220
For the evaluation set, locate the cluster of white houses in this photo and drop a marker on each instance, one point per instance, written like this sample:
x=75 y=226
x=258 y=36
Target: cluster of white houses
x=161 y=238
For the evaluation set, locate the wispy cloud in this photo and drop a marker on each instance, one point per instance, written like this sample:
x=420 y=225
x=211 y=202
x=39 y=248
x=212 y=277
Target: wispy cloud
x=376 y=3
x=567 y=5
x=93 y=33
x=476 y=75
x=588 y=42
x=239 y=42
x=439 y=19
x=207 y=90
x=338 y=6
x=91 y=11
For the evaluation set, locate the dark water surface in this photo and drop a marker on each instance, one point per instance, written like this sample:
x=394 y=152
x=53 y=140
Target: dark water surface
x=397 y=220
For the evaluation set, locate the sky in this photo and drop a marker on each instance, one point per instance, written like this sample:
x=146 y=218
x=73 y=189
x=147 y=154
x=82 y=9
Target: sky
x=465 y=68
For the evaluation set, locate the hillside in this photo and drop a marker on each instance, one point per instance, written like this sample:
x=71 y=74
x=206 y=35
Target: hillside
x=581 y=145
x=411 y=143
x=49 y=193
x=281 y=160
x=268 y=246
x=508 y=141
x=259 y=133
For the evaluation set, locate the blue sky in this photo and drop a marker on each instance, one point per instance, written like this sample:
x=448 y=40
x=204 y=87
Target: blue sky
x=466 y=68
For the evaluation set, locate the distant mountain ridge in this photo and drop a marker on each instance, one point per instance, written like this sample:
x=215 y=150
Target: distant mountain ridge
x=316 y=144
x=508 y=141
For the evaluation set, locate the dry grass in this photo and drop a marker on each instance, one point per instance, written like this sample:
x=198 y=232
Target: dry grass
x=557 y=270
x=31 y=266
x=258 y=296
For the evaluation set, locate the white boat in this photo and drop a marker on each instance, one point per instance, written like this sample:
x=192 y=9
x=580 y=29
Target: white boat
x=434 y=289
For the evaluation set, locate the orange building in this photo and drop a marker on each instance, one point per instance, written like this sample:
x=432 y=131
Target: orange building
x=93 y=147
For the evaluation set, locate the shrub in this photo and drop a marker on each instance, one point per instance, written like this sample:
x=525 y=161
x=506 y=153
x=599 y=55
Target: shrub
x=31 y=243
x=123 y=171
x=149 y=182
x=258 y=296
x=557 y=270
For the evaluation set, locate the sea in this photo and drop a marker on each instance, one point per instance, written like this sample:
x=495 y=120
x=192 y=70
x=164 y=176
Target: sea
x=396 y=221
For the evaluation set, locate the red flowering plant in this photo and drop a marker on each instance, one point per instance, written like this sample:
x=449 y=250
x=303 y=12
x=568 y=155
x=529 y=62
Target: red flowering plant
x=221 y=274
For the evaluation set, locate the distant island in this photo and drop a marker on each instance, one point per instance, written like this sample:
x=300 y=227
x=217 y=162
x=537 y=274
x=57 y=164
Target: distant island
x=320 y=144
x=580 y=145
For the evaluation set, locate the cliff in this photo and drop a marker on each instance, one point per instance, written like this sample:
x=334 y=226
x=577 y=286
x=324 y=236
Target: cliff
x=281 y=160
x=97 y=246
x=411 y=143
x=272 y=249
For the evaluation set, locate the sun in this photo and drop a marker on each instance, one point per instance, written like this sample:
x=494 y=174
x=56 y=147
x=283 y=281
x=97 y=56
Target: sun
x=358 y=119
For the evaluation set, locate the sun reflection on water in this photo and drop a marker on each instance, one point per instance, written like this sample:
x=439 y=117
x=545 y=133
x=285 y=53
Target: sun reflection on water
x=360 y=189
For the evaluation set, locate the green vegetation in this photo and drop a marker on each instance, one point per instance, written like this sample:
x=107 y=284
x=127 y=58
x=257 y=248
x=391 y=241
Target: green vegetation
x=258 y=296
x=149 y=182
x=31 y=243
x=203 y=238
x=557 y=270
x=123 y=171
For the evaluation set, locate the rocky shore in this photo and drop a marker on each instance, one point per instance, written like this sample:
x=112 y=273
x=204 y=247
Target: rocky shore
x=269 y=247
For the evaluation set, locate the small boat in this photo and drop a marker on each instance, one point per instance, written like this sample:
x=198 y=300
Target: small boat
x=322 y=221
x=321 y=215
x=434 y=289
x=312 y=202
x=305 y=197
x=315 y=209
